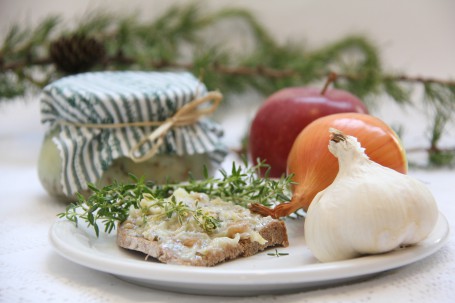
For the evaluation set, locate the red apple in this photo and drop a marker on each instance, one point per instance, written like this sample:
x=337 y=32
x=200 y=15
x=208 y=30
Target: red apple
x=286 y=113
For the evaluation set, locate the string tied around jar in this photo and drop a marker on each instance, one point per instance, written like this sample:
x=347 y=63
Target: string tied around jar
x=188 y=114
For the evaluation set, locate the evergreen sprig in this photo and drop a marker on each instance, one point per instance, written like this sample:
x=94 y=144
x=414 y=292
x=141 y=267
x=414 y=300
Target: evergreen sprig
x=242 y=186
x=182 y=38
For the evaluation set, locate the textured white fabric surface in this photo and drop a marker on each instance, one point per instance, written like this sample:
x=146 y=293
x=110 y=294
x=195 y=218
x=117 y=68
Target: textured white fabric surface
x=30 y=270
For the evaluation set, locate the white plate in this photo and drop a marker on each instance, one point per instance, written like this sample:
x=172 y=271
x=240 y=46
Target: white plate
x=259 y=274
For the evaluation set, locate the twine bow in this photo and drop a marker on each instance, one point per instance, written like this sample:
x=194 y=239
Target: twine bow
x=186 y=115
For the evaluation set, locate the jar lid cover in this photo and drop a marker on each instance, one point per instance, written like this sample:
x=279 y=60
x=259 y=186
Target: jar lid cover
x=119 y=98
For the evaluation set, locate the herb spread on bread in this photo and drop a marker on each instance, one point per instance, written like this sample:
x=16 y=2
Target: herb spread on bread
x=192 y=229
x=112 y=204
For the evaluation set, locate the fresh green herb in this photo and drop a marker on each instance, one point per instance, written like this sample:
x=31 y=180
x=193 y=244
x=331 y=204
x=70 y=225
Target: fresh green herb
x=241 y=186
x=179 y=208
x=277 y=254
x=207 y=222
x=109 y=204
x=172 y=207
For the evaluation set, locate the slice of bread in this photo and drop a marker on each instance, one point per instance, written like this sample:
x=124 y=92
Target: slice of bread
x=181 y=240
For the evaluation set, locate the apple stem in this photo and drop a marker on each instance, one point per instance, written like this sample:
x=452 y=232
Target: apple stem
x=331 y=77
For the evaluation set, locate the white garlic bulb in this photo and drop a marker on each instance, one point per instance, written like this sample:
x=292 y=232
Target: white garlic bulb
x=368 y=208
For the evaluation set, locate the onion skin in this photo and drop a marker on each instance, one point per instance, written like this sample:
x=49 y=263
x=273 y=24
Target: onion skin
x=314 y=167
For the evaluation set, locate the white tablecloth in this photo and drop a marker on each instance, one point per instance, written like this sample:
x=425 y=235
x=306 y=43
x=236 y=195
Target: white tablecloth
x=31 y=271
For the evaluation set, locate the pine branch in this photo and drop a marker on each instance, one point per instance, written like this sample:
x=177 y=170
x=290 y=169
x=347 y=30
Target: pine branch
x=260 y=70
x=420 y=79
x=19 y=65
x=406 y=79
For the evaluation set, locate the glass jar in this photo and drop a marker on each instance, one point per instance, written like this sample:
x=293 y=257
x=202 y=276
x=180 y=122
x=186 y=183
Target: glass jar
x=96 y=120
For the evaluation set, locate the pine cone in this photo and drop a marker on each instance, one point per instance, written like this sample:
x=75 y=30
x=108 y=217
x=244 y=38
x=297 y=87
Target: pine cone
x=76 y=53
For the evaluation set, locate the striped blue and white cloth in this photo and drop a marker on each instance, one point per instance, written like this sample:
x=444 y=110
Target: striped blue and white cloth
x=121 y=97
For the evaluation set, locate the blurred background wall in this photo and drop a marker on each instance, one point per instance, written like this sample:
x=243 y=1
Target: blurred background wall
x=416 y=37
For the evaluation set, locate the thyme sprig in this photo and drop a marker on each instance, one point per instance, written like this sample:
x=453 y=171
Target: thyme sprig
x=206 y=221
x=277 y=254
x=242 y=186
x=109 y=204
x=173 y=207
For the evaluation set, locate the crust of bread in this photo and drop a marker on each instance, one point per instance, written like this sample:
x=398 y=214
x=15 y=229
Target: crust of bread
x=275 y=233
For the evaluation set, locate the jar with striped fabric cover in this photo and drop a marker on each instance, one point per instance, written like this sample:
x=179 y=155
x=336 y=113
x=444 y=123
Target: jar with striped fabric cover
x=103 y=126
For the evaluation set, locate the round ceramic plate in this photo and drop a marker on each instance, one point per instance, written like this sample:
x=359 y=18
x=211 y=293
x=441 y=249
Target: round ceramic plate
x=265 y=273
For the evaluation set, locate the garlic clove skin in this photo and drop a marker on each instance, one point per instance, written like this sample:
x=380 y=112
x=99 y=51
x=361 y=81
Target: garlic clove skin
x=368 y=209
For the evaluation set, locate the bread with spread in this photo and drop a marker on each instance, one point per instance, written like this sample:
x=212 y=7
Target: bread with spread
x=192 y=229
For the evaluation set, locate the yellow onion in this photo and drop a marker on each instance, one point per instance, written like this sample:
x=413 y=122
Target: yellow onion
x=314 y=167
